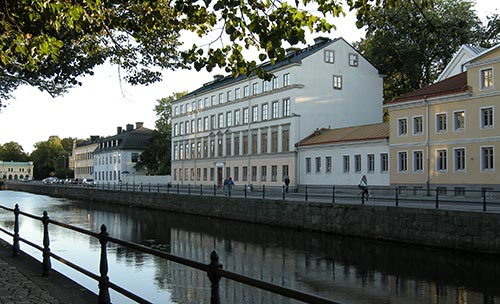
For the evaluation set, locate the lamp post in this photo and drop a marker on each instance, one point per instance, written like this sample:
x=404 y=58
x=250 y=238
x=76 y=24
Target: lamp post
x=297 y=146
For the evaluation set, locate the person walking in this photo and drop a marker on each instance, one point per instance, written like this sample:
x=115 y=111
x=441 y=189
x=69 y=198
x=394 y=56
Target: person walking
x=363 y=185
x=230 y=185
x=287 y=183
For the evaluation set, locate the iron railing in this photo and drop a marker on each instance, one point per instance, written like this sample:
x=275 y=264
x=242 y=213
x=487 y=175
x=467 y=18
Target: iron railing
x=214 y=269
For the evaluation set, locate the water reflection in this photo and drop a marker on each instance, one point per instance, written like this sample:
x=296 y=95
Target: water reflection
x=344 y=269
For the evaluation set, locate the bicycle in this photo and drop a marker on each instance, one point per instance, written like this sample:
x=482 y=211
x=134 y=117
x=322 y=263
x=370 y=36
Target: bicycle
x=368 y=194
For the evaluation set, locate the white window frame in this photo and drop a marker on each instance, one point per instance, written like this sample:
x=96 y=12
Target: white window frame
x=414 y=129
x=337 y=82
x=329 y=56
x=286 y=79
x=370 y=163
x=455 y=128
x=328 y=164
x=346 y=163
x=482 y=79
x=353 y=59
x=455 y=159
x=437 y=129
x=482 y=163
x=439 y=164
x=317 y=164
x=400 y=169
x=414 y=162
x=481 y=120
x=357 y=163
x=405 y=131
x=384 y=162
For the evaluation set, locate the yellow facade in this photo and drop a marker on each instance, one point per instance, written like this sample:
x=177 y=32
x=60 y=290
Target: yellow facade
x=451 y=138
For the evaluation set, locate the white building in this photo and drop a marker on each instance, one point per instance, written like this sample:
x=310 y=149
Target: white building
x=12 y=170
x=82 y=158
x=342 y=156
x=247 y=128
x=116 y=156
x=458 y=63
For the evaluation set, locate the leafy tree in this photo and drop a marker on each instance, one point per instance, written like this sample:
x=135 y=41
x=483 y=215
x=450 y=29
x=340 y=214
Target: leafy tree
x=49 y=158
x=12 y=151
x=411 y=43
x=156 y=157
x=49 y=44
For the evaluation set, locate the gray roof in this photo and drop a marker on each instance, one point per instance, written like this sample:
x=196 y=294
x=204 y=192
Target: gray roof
x=136 y=139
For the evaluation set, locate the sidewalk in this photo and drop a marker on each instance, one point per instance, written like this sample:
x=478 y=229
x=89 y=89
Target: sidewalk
x=21 y=282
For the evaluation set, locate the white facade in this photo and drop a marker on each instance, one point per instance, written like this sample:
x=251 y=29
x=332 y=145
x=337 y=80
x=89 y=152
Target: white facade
x=247 y=128
x=83 y=160
x=458 y=63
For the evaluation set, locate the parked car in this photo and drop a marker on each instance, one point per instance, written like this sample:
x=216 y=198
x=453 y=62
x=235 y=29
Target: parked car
x=88 y=182
x=50 y=180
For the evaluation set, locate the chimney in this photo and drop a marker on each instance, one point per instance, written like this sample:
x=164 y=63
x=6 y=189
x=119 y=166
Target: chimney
x=118 y=130
x=218 y=77
x=139 y=125
x=319 y=40
x=130 y=127
x=292 y=51
x=94 y=138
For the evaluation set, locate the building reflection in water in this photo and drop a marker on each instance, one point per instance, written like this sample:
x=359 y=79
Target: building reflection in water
x=344 y=269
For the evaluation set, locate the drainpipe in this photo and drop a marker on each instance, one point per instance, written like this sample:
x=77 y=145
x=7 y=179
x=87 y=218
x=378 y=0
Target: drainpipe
x=427 y=148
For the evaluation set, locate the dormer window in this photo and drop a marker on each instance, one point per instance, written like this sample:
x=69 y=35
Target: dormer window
x=486 y=79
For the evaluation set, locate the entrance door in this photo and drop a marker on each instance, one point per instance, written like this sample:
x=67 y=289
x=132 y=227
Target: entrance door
x=219 y=177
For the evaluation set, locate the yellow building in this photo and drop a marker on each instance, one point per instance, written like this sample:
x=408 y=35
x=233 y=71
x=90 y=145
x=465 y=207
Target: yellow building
x=16 y=170
x=445 y=135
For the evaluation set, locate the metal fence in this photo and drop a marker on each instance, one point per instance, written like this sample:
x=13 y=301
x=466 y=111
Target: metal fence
x=214 y=269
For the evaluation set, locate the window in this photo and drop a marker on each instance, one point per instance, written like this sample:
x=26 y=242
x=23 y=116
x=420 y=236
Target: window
x=219 y=147
x=403 y=161
x=346 y=163
x=213 y=123
x=221 y=120
x=486 y=78
x=255 y=113
x=418 y=161
x=284 y=172
x=459 y=159
x=229 y=118
x=329 y=56
x=275 y=82
x=417 y=125
x=205 y=174
x=441 y=122
x=221 y=97
x=274 y=140
x=200 y=104
x=286 y=107
x=357 y=163
x=286 y=79
x=193 y=126
x=402 y=126
x=353 y=60
x=244 y=175
x=487 y=117
x=206 y=123
x=245 y=144
x=246 y=91
x=328 y=164
x=245 y=115
x=187 y=127
x=265 y=111
x=236 y=176
x=176 y=130
x=337 y=82
x=459 y=120
x=200 y=125
x=135 y=157
x=441 y=160
x=275 y=110
x=318 y=164
x=193 y=105
x=255 y=88
x=263 y=141
x=212 y=173
x=254 y=173
x=308 y=165
x=285 y=141
x=487 y=159
x=237 y=144
x=263 y=173
x=371 y=163
x=384 y=162
x=265 y=85
x=237 y=93
x=228 y=146
x=229 y=95
x=237 y=117
x=205 y=101
x=212 y=100
x=274 y=173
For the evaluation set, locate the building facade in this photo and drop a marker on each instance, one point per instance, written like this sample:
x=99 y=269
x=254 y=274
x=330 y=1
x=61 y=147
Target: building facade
x=16 y=170
x=447 y=134
x=247 y=128
x=82 y=158
x=342 y=156
x=117 y=155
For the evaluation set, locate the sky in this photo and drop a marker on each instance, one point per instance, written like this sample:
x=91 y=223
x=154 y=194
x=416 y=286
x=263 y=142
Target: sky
x=104 y=103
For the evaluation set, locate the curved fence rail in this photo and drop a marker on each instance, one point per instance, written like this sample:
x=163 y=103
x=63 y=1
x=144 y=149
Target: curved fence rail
x=213 y=269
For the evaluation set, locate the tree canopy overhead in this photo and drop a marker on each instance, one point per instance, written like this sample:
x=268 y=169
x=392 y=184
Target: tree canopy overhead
x=49 y=44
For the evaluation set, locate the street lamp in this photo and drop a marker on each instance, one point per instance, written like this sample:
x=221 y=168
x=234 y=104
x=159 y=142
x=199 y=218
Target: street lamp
x=297 y=146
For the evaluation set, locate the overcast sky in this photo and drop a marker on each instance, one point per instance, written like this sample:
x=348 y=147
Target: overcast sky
x=103 y=103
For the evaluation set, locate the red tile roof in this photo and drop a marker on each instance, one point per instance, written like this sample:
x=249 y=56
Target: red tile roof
x=349 y=134
x=452 y=85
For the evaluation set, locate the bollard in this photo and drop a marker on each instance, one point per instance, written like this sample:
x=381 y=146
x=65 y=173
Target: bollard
x=103 y=269
x=214 y=277
x=333 y=195
x=15 y=244
x=46 y=265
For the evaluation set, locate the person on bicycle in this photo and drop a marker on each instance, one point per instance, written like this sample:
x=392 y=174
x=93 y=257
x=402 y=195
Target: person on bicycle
x=363 y=184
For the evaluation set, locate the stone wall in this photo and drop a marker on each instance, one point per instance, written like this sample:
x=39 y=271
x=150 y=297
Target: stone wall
x=471 y=231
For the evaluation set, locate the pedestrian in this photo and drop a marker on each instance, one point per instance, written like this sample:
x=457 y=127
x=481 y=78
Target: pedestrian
x=230 y=185
x=225 y=185
x=363 y=185
x=287 y=183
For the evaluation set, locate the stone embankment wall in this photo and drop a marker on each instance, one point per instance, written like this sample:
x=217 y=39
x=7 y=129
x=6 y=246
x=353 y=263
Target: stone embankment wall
x=471 y=231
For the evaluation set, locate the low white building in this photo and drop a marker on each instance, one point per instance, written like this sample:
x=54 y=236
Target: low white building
x=117 y=155
x=246 y=127
x=12 y=170
x=342 y=156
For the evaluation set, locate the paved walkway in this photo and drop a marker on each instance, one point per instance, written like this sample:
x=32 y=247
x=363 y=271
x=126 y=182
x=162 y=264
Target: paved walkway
x=21 y=282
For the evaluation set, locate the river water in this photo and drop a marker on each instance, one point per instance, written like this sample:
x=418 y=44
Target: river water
x=344 y=269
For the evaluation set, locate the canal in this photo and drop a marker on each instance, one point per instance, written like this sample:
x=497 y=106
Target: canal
x=346 y=270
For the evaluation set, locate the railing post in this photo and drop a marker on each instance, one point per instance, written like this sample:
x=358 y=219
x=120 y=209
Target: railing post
x=103 y=268
x=484 y=200
x=437 y=199
x=214 y=277
x=189 y=189
x=149 y=186
x=201 y=189
x=307 y=198
x=215 y=190
x=46 y=265
x=245 y=191
x=157 y=187
x=362 y=197
x=283 y=191
x=15 y=244
x=333 y=194
x=263 y=191
x=397 y=196
x=177 y=188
